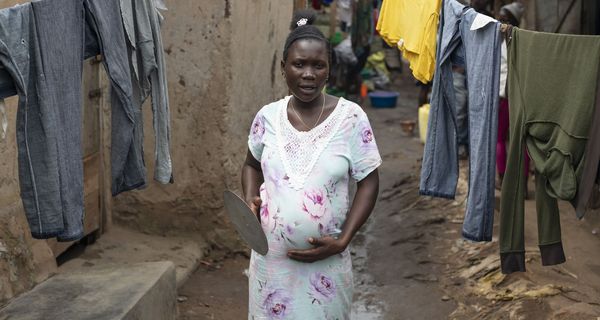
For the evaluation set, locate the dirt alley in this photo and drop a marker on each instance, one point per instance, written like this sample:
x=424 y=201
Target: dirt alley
x=410 y=261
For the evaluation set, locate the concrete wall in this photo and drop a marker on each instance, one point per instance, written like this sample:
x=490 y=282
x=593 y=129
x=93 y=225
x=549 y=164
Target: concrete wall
x=223 y=65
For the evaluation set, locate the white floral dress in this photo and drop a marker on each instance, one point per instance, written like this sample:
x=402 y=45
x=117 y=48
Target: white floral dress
x=305 y=194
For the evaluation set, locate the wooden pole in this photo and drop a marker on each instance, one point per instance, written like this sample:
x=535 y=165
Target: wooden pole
x=300 y=4
x=104 y=110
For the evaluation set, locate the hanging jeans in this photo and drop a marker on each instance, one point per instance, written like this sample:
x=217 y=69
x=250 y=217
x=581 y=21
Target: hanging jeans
x=104 y=21
x=554 y=122
x=439 y=173
x=41 y=46
x=142 y=20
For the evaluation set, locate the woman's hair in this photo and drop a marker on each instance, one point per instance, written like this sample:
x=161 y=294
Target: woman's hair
x=302 y=28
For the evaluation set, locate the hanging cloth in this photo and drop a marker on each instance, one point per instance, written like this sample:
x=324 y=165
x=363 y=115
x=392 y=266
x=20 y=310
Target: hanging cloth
x=41 y=48
x=479 y=51
x=552 y=83
x=412 y=26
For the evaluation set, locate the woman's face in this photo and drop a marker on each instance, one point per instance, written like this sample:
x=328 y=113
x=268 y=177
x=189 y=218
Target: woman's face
x=306 y=68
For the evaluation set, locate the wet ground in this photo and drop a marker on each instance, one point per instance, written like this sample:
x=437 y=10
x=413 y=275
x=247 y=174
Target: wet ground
x=410 y=261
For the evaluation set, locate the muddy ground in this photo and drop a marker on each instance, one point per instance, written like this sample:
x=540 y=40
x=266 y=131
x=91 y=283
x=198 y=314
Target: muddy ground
x=410 y=261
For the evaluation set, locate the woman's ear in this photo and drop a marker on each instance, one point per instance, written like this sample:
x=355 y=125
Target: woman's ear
x=283 y=68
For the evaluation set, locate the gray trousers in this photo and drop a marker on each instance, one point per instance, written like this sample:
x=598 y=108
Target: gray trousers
x=439 y=172
x=142 y=25
x=41 y=46
x=107 y=35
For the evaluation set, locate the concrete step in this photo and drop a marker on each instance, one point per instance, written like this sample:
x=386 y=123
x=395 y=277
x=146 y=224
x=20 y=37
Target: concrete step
x=143 y=291
x=125 y=246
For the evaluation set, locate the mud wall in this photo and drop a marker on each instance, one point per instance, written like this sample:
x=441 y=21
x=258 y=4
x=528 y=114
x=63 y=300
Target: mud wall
x=220 y=66
x=24 y=261
x=259 y=32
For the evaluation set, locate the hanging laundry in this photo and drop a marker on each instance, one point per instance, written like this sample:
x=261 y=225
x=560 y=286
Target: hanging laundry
x=104 y=19
x=552 y=115
x=41 y=45
x=479 y=51
x=362 y=30
x=412 y=26
x=344 y=14
x=142 y=22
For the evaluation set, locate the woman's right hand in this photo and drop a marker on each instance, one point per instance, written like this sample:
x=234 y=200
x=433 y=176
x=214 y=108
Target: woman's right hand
x=254 y=204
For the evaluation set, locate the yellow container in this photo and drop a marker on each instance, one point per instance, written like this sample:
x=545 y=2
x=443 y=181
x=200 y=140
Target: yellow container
x=423 y=120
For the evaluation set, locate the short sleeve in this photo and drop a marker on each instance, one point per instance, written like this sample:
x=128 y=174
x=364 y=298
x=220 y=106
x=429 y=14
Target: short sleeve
x=364 y=153
x=256 y=137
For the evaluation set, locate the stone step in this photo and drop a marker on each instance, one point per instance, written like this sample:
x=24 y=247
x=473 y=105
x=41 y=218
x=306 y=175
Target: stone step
x=143 y=291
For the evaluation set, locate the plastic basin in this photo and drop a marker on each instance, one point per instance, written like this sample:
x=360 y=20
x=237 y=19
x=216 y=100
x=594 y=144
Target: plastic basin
x=383 y=99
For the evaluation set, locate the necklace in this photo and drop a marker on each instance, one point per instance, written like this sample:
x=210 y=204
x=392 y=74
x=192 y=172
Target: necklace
x=318 y=119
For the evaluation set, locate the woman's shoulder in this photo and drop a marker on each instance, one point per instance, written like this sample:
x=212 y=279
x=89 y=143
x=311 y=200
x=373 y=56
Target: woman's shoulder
x=354 y=111
x=270 y=110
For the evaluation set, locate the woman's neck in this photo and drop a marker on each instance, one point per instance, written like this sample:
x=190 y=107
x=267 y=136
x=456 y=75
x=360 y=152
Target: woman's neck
x=315 y=103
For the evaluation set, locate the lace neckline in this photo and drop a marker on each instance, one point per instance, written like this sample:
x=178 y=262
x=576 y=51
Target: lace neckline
x=323 y=123
x=300 y=150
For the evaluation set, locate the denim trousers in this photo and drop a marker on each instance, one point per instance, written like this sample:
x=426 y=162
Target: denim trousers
x=41 y=46
x=107 y=35
x=142 y=22
x=439 y=174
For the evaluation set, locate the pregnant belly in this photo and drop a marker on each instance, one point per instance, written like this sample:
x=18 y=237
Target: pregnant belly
x=286 y=232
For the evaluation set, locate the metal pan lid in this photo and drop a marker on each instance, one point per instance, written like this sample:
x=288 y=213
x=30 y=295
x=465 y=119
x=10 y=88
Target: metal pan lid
x=245 y=222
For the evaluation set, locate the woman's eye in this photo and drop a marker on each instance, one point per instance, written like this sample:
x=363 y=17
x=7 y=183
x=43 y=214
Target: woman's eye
x=320 y=66
x=298 y=65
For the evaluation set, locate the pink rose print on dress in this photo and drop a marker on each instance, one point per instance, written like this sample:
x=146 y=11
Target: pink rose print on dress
x=329 y=229
x=367 y=139
x=367 y=135
x=258 y=128
x=322 y=288
x=277 y=304
x=314 y=204
x=264 y=212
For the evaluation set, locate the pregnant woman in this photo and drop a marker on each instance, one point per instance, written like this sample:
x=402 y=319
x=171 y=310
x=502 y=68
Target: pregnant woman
x=302 y=152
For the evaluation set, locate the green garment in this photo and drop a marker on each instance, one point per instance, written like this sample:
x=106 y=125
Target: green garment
x=552 y=87
x=362 y=26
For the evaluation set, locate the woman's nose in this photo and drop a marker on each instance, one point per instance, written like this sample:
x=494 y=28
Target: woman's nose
x=308 y=74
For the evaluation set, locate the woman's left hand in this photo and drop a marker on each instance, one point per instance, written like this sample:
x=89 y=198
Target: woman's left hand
x=324 y=248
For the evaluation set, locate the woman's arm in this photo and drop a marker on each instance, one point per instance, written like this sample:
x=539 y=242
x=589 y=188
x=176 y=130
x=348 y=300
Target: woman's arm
x=252 y=178
x=362 y=206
